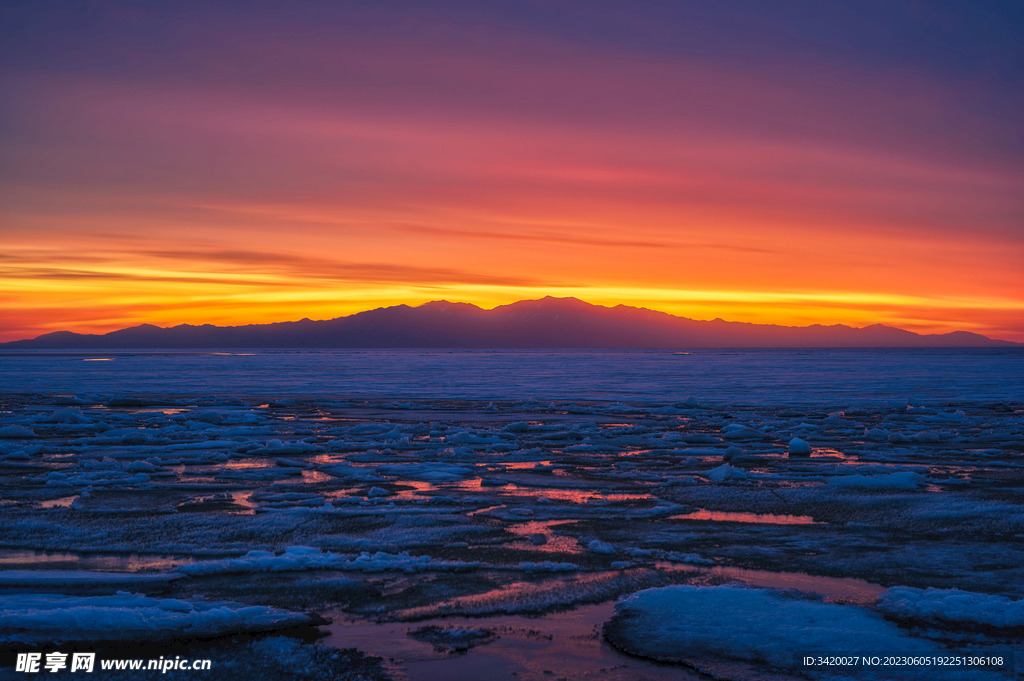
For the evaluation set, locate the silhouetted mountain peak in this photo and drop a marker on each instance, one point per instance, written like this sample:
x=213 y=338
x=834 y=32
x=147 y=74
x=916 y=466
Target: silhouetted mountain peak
x=446 y=306
x=549 y=322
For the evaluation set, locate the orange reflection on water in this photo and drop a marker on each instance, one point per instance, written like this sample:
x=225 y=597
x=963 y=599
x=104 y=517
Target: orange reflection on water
x=554 y=544
x=763 y=518
x=153 y=410
x=314 y=477
x=241 y=498
x=63 y=502
x=824 y=453
x=834 y=589
x=474 y=485
x=544 y=595
x=418 y=491
x=576 y=496
x=118 y=562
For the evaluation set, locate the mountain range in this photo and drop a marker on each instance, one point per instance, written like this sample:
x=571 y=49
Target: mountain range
x=546 y=323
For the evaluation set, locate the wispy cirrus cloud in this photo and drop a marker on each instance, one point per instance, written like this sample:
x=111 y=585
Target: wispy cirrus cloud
x=244 y=268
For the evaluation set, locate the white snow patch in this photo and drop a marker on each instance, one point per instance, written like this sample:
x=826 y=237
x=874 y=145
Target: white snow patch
x=39 y=618
x=799 y=447
x=69 y=415
x=279 y=447
x=428 y=472
x=16 y=431
x=952 y=605
x=702 y=625
x=308 y=558
x=726 y=472
x=141 y=467
x=344 y=470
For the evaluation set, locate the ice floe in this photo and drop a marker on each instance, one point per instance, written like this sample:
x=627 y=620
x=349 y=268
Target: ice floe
x=952 y=606
x=43 y=618
x=308 y=558
x=748 y=633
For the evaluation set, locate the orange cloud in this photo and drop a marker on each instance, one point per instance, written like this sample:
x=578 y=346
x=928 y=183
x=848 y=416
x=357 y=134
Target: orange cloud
x=403 y=170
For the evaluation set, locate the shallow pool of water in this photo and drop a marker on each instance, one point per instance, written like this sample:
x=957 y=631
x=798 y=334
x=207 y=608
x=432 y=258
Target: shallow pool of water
x=116 y=562
x=834 y=589
x=561 y=645
x=729 y=517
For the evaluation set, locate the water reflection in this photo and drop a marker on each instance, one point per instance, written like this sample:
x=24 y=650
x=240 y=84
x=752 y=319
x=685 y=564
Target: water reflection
x=541 y=538
x=730 y=517
x=834 y=589
x=63 y=502
x=559 y=645
x=522 y=465
x=119 y=562
x=412 y=490
x=826 y=453
x=575 y=496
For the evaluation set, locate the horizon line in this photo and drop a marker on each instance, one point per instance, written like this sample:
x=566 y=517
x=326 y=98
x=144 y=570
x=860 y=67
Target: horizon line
x=525 y=300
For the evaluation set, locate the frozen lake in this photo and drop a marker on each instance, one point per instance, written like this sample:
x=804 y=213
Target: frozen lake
x=770 y=377
x=474 y=513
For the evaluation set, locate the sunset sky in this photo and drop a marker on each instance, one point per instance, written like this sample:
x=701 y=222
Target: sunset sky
x=775 y=162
